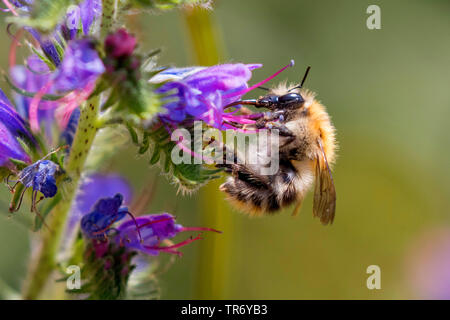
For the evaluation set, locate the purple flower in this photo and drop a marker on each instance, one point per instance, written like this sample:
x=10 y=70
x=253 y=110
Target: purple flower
x=10 y=148
x=40 y=176
x=22 y=3
x=202 y=93
x=81 y=66
x=78 y=72
x=12 y=128
x=32 y=78
x=94 y=187
x=82 y=16
x=152 y=231
x=47 y=46
x=90 y=10
x=143 y=234
x=97 y=223
x=12 y=120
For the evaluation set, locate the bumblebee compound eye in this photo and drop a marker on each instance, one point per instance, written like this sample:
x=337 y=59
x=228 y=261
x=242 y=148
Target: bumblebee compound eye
x=267 y=101
x=291 y=98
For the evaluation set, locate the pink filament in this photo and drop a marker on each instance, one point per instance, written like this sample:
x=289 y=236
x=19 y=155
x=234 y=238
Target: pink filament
x=170 y=248
x=71 y=102
x=34 y=105
x=13 y=48
x=186 y=149
x=229 y=126
x=244 y=116
x=242 y=92
x=10 y=7
x=238 y=119
x=137 y=227
x=68 y=103
x=199 y=229
x=191 y=152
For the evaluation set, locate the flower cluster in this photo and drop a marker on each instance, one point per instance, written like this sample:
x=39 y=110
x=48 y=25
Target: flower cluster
x=144 y=234
x=85 y=76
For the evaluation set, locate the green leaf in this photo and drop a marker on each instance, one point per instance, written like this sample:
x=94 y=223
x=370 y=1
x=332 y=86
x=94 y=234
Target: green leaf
x=145 y=144
x=133 y=134
x=155 y=156
x=16 y=201
x=20 y=165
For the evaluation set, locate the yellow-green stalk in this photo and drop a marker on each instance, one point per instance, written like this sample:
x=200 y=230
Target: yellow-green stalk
x=213 y=270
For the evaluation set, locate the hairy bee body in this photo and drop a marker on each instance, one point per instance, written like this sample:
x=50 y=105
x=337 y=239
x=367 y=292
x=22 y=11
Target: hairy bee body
x=304 y=157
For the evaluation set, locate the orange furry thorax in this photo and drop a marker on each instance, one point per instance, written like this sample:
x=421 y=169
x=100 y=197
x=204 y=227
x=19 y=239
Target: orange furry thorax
x=320 y=124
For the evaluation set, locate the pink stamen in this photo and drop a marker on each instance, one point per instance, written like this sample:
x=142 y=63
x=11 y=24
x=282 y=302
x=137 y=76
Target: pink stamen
x=34 y=105
x=193 y=153
x=10 y=7
x=71 y=102
x=238 y=119
x=178 y=245
x=242 y=92
x=248 y=116
x=199 y=229
x=229 y=126
x=13 y=48
x=186 y=149
x=136 y=224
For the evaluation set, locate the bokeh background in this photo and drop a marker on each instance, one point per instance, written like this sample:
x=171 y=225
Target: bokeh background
x=388 y=94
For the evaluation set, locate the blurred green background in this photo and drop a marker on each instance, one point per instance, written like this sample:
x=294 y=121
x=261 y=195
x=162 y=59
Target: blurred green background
x=387 y=92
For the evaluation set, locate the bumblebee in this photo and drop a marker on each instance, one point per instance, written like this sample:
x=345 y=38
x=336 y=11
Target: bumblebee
x=307 y=147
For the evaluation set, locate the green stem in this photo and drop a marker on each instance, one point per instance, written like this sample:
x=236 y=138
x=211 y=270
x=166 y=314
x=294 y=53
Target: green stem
x=46 y=259
x=109 y=13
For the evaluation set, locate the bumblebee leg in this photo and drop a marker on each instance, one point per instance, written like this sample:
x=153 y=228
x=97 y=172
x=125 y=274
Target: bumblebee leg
x=268 y=117
x=282 y=129
x=244 y=173
x=241 y=171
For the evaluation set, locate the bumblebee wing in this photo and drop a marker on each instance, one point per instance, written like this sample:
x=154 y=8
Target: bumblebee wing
x=324 y=192
x=297 y=208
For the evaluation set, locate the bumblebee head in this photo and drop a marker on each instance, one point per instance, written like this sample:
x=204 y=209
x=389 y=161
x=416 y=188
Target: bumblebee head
x=284 y=100
x=289 y=100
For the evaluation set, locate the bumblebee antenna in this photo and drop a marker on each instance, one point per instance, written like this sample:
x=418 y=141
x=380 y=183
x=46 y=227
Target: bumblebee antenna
x=304 y=77
x=303 y=80
x=264 y=88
